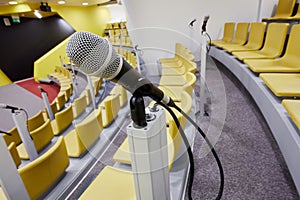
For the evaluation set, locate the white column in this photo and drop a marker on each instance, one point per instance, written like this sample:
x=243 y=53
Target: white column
x=10 y=180
x=149 y=158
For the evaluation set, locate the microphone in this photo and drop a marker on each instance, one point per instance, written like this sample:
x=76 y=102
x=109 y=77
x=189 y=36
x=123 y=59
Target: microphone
x=95 y=56
x=205 y=23
x=191 y=24
x=5 y=133
x=5 y=106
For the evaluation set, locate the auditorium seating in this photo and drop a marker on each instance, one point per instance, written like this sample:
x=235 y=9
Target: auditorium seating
x=111 y=183
x=110 y=107
x=14 y=154
x=14 y=137
x=284 y=9
x=41 y=137
x=39 y=175
x=273 y=45
x=282 y=84
x=289 y=62
x=228 y=34
x=292 y=107
x=84 y=135
x=62 y=120
x=121 y=91
x=79 y=105
x=181 y=52
x=255 y=40
x=240 y=38
x=35 y=121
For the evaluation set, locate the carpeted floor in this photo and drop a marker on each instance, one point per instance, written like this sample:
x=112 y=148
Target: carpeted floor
x=32 y=86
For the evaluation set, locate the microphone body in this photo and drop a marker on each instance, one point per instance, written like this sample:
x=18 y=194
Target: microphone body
x=5 y=106
x=205 y=23
x=95 y=56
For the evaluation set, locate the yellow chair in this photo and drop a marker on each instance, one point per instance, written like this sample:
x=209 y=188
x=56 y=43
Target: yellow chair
x=255 y=40
x=282 y=84
x=241 y=35
x=53 y=107
x=14 y=154
x=79 y=105
x=14 y=137
x=284 y=9
x=180 y=52
x=110 y=107
x=41 y=137
x=111 y=183
x=292 y=107
x=42 y=173
x=84 y=135
x=121 y=91
x=62 y=120
x=60 y=101
x=228 y=33
x=289 y=62
x=273 y=46
x=296 y=17
x=35 y=121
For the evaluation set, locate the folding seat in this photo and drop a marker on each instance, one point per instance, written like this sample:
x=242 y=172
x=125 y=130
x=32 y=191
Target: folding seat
x=292 y=107
x=240 y=38
x=14 y=154
x=228 y=34
x=35 y=121
x=84 y=135
x=255 y=40
x=14 y=137
x=282 y=84
x=63 y=120
x=289 y=62
x=45 y=171
x=284 y=9
x=79 y=105
x=273 y=46
x=110 y=107
x=41 y=137
x=121 y=91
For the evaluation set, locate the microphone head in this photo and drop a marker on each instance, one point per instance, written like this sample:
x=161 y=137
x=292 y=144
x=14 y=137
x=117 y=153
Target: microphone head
x=93 y=55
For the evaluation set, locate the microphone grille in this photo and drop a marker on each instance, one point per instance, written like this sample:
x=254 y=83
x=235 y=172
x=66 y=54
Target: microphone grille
x=93 y=54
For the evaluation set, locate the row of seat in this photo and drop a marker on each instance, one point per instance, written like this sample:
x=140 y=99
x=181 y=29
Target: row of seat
x=113 y=179
x=275 y=62
x=45 y=134
x=287 y=10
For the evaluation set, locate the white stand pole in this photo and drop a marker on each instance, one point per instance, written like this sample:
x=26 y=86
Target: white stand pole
x=10 y=180
x=203 y=73
x=74 y=81
x=259 y=11
x=21 y=124
x=137 y=55
x=92 y=91
x=47 y=105
x=149 y=157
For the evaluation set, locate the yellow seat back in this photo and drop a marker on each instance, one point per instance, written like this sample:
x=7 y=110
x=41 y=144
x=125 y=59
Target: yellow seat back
x=63 y=119
x=14 y=137
x=14 y=154
x=275 y=39
x=228 y=32
x=79 y=105
x=256 y=35
x=42 y=135
x=111 y=107
x=285 y=8
x=35 y=121
x=292 y=54
x=39 y=175
x=241 y=33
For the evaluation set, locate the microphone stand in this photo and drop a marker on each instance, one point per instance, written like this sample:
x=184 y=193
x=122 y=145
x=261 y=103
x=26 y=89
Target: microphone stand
x=203 y=72
x=148 y=146
x=47 y=105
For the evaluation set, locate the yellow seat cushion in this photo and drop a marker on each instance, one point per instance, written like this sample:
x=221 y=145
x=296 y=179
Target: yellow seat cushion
x=282 y=84
x=112 y=184
x=271 y=65
x=293 y=108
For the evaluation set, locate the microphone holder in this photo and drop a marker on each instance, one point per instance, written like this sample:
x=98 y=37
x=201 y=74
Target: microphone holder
x=147 y=138
x=47 y=105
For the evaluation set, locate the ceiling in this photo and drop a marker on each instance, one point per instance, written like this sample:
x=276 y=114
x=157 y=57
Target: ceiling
x=55 y=2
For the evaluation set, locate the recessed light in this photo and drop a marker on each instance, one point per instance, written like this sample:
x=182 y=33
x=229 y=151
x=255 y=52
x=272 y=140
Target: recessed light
x=61 y=2
x=85 y=3
x=12 y=2
x=37 y=14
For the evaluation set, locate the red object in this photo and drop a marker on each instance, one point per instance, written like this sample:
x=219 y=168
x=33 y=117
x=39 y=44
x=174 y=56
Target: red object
x=32 y=86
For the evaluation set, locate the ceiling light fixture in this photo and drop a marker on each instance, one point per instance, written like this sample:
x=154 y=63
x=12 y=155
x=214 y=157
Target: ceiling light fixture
x=12 y=2
x=61 y=2
x=85 y=3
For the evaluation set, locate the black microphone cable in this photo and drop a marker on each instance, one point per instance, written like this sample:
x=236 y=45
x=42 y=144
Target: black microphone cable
x=188 y=148
x=6 y=133
x=210 y=146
